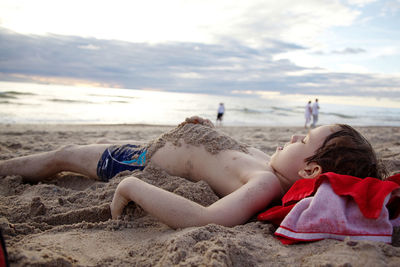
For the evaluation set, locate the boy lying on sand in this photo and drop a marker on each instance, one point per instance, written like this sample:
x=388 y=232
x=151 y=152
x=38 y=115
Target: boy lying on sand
x=245 y=178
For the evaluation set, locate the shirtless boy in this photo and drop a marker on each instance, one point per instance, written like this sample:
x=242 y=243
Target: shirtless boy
x=246 y=179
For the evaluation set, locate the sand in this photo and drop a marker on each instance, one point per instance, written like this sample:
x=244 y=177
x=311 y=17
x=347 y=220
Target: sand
x=66 y=221
x=213 y=139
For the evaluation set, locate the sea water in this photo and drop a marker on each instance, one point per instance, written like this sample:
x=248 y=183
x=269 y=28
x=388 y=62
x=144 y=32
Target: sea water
x=55 y=104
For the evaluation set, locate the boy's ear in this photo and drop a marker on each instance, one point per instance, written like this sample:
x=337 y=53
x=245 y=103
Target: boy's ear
x=312 y=170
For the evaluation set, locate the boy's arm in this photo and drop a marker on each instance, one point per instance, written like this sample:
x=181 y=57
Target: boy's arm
x=177 y=212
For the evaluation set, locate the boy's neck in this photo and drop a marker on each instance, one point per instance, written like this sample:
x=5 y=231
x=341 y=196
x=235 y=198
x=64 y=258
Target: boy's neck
x=285 y=182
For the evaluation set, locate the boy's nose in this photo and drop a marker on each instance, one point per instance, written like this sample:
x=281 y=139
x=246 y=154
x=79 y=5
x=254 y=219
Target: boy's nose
x=295 y=138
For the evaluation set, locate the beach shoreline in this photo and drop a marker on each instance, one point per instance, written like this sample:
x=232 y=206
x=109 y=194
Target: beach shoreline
x=66 y=221
x=39 y=103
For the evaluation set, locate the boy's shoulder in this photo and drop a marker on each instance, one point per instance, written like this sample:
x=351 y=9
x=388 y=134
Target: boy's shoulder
x=274 y=184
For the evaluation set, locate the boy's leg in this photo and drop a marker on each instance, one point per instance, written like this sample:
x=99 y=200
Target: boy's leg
x=74 y=158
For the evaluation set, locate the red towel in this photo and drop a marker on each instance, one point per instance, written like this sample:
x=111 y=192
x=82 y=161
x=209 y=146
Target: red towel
x=337 y=206
x=3 y=252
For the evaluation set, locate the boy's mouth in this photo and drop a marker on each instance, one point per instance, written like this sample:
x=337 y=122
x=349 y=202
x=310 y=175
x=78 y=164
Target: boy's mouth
x=279 y=148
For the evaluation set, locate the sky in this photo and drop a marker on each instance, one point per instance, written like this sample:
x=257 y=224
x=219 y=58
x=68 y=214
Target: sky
x=225 y=47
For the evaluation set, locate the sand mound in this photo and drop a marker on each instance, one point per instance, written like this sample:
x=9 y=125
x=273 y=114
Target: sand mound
x=66 y=221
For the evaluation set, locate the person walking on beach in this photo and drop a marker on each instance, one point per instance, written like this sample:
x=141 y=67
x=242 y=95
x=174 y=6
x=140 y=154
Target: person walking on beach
x=220 y=114
x=246 y=179
x=307 y=114
x=315 y=112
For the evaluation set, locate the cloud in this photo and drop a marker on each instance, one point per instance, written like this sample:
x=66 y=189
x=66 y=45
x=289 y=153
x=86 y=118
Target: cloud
x=360 y=2
x=391 y=7
x=349 y=50
x=89 y=47
x=173 y=66
x=176 y=66
x=154 y=21
x=345 y=51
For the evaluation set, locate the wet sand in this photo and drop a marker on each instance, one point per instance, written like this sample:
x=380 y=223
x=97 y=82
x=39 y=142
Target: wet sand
x=66 y=221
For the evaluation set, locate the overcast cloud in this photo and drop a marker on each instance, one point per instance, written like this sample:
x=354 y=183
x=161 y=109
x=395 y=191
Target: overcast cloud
x=218 y=47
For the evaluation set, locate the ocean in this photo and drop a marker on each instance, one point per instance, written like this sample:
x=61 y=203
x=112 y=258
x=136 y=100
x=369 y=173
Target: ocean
x=26 y=103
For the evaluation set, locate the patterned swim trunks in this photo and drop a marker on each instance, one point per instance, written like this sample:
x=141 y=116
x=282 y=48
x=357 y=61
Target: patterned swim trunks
x=119 y=158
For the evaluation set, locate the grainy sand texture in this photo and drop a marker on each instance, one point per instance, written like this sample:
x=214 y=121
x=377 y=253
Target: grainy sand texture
x=66 y=221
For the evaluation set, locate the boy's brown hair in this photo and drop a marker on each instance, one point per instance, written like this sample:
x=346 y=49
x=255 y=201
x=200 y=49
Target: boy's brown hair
x=348 y=152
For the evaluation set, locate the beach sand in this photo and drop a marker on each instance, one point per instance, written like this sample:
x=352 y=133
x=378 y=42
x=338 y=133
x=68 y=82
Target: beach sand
x=66 y=221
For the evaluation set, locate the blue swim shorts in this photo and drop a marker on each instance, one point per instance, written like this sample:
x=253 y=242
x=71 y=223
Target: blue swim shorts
x=119 y=158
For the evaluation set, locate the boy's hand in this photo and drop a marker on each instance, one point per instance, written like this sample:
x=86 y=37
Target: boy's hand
x=198 y=120
x=119 y=200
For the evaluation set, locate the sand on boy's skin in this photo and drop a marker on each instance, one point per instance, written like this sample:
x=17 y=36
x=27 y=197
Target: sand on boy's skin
x=66 y=221
x=211 y=138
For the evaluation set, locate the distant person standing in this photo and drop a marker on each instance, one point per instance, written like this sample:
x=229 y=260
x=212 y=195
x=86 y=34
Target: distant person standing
x=315 y=112
x=307 y=114
x=221 y=111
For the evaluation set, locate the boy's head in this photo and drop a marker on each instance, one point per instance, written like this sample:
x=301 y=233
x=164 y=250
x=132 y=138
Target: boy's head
x=331 y=148
x=346 y=151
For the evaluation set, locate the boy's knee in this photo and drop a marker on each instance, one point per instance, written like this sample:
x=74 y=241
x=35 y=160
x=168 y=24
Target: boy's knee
x=64 y=152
